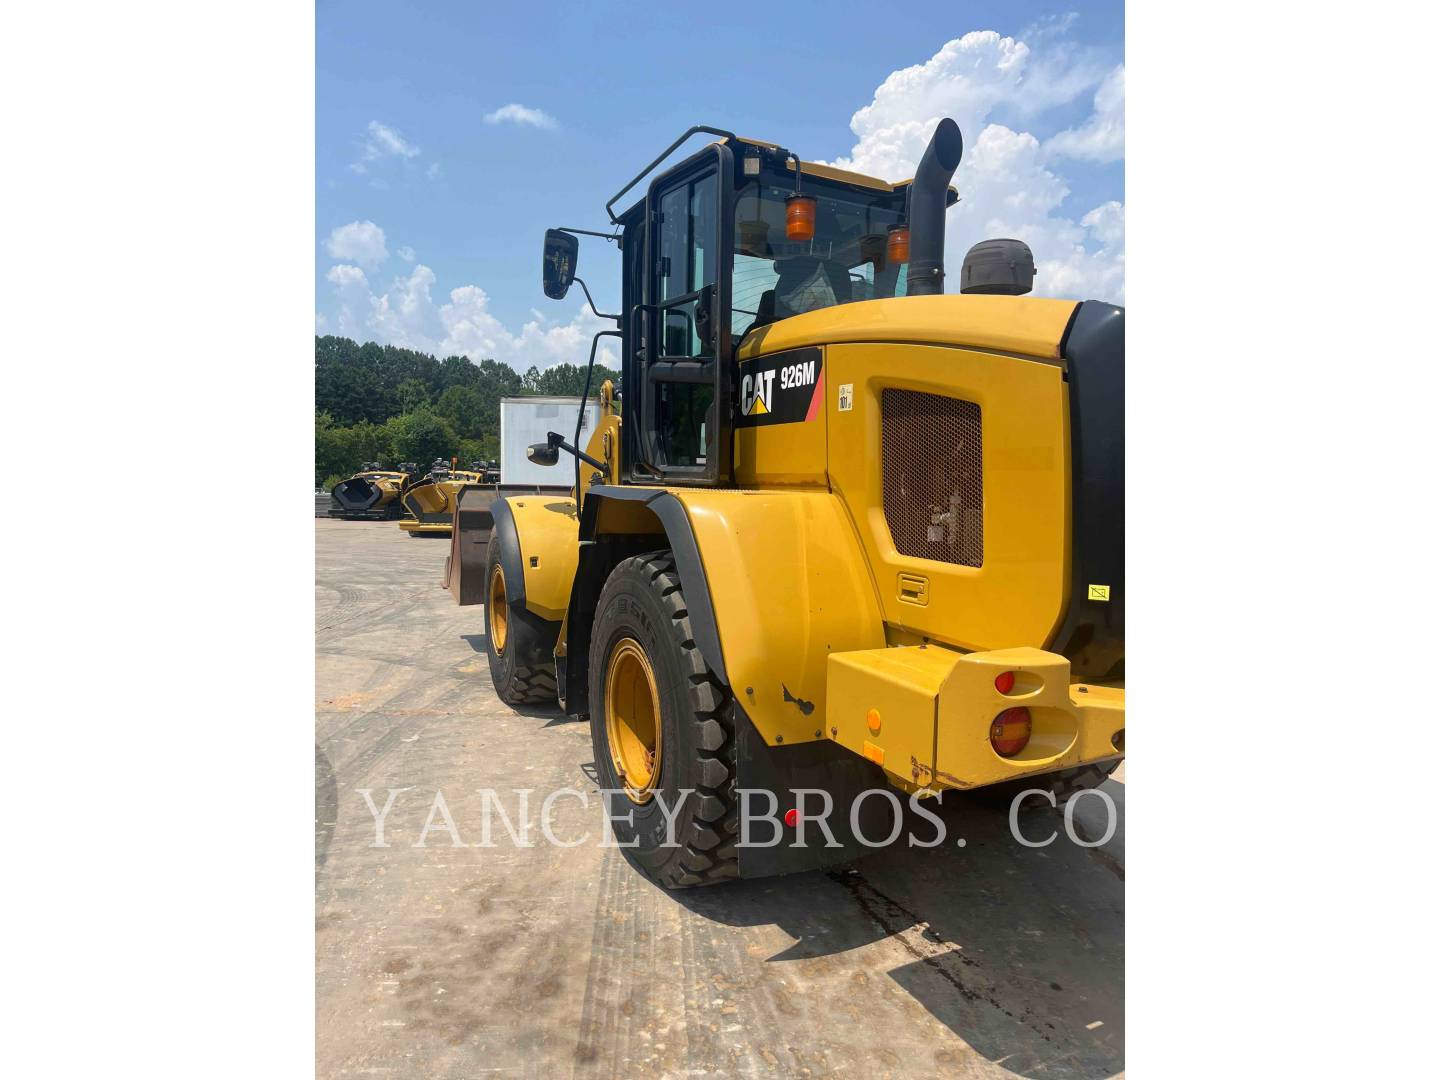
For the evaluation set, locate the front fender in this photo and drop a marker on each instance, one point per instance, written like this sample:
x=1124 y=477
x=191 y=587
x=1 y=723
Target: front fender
x=547 y=533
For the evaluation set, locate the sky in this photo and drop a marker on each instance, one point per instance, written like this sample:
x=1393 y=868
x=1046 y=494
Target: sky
x=449 y=136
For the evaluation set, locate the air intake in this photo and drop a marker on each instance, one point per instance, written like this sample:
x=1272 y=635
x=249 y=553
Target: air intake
x=999 y=267
x=932 y=475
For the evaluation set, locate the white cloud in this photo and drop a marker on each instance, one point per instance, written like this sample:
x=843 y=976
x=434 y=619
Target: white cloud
x=384 y=150
x=407 y=253
x=1102 y=137
x=406 y=314
x=361 y=242
x=382 y=141
x=520 y=114
x=1107 y=224
x=1007 y=183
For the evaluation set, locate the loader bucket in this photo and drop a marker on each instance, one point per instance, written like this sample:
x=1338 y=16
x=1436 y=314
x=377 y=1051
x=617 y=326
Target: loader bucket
x=469 y=543
x=428 y=501
x=355 y=495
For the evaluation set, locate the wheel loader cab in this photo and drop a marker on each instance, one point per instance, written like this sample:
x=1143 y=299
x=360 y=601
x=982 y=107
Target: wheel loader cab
x=848 y=532
x=710 y=259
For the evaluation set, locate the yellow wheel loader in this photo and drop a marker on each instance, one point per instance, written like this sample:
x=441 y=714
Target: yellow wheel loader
x=850 y=533
x=430 y=503
x=372 y=494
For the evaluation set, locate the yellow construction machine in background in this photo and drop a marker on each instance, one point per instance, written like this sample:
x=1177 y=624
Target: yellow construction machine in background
x=430 y=503
x=372 y=494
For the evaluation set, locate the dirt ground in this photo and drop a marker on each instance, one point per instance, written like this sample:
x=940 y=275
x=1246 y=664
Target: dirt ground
x=990 y=959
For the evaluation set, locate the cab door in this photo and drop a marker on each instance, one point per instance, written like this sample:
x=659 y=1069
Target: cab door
x=683 y=355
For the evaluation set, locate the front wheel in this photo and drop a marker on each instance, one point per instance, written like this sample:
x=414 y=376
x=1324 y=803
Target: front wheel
x=520 y=645
x=661 y=724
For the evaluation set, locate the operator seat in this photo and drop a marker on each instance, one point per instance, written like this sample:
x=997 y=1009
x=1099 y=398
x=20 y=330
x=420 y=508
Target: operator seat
x=805 y=283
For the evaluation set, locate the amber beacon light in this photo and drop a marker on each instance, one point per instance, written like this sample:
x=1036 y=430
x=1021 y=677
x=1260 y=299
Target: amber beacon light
x=800 y=217
x=897 y=245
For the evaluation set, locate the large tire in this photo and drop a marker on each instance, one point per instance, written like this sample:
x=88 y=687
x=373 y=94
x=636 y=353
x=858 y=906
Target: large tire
x=522 y=662
x=642 y=603
x=1063 y=785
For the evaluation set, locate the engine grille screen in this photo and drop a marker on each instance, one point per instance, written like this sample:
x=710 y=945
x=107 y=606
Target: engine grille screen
x=931 y=468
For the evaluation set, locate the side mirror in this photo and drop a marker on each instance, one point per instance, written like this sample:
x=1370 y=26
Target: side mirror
x=543 y=453
x=558 y=265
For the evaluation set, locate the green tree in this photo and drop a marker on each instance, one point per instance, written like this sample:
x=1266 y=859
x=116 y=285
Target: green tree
x=342 y=450
x=413 y=394
x=420 y=436
x=464 y=407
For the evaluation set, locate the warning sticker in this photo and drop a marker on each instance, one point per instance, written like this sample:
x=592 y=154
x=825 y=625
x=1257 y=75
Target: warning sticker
x=1099 y=592
x=847 y=396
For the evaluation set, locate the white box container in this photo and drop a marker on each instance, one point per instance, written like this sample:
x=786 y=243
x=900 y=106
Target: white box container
x=526 y=420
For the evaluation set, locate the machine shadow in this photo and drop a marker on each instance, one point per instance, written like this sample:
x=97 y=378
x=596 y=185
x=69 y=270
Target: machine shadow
x=1019 y=951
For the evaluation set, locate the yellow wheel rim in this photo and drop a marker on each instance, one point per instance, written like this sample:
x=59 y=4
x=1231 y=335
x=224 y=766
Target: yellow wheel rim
x=497 y=612
x=632 y=719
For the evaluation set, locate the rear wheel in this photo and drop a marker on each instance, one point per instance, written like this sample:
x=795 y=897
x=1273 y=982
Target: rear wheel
x=521 y=646
x=661 y=723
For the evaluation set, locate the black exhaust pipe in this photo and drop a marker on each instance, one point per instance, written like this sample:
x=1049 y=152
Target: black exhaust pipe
x=928 y=195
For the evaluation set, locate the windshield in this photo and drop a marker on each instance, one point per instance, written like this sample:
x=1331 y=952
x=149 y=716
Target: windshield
x=844 y=262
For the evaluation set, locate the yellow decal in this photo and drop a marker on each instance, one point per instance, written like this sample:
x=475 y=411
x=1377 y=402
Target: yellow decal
x=1099 y=592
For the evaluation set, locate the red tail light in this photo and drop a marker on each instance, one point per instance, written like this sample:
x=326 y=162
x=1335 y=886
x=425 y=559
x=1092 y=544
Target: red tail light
x=1005 y=682
x=1010 y=731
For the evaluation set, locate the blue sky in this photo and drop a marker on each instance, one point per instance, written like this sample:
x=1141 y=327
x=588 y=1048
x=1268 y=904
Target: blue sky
x=429 y=216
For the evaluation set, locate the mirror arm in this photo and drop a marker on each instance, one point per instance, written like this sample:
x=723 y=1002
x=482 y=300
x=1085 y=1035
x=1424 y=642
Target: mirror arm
x=614 y=237
x=557 y=441
x=581 y=282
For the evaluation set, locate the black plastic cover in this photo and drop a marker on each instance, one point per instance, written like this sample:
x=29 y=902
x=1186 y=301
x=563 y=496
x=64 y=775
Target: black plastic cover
x=998 y=267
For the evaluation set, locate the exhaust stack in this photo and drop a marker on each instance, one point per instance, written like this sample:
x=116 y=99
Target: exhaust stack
x=928 y=195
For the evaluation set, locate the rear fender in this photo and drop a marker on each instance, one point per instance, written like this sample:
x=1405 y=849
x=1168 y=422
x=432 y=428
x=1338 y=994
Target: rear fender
x=774 y=581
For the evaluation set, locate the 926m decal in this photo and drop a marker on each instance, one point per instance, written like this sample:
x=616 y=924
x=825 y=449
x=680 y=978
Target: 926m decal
x=785 y=388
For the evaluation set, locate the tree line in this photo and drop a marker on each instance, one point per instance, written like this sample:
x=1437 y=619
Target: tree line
x=387 y=404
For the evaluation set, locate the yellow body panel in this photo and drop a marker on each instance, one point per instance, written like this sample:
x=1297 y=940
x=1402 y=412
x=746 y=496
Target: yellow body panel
x=881 y=705
x=1017 y=595
x=1023 y=325
x=549 y=533
x=604 y=444
x=780 y=455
